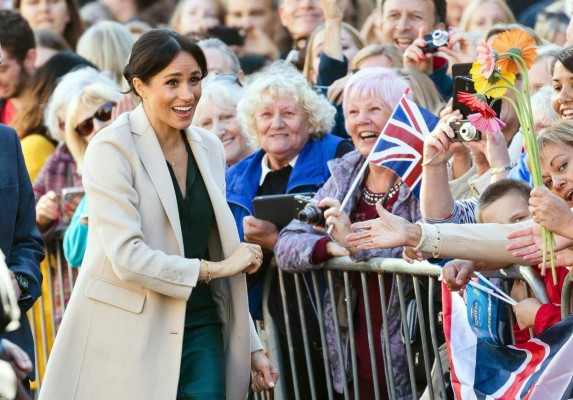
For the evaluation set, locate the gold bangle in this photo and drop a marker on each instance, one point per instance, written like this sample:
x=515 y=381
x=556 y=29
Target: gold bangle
x=206 y=264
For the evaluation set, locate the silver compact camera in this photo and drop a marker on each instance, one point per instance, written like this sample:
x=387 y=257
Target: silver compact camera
x=307 y=211
x=464 y=131
x=435 y=40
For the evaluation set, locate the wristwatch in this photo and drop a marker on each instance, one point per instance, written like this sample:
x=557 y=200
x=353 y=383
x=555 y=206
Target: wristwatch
x=22 y=283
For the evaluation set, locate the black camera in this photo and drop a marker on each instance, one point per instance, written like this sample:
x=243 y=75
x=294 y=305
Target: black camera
x=434 y=40
x=307 y=211
x=464 y=131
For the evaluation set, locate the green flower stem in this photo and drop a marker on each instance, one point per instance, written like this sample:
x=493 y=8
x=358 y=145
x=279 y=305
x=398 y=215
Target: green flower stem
x=524 y=113
x=523 y=109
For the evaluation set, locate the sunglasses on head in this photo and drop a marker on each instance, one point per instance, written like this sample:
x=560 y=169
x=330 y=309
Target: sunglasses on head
x=103 y=114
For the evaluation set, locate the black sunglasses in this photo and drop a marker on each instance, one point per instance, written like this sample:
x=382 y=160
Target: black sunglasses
x=103 y=114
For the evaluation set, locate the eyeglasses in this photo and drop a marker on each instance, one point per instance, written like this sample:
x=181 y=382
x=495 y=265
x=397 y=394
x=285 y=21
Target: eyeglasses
x=228 y=78
x=103 y=114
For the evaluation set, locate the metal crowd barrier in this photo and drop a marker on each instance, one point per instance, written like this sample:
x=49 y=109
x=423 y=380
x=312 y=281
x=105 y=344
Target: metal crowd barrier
x=59 y=280
x=384 y=268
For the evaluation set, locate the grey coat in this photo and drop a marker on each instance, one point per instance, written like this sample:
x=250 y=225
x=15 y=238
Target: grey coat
x=296 y=245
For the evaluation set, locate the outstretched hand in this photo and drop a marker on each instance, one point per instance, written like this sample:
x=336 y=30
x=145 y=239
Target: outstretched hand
x=385 y=232
x=264 y=374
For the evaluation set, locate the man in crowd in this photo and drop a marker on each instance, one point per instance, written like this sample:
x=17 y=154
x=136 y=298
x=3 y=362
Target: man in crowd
x=19 y=50
x=20 y=240
x=404 y=21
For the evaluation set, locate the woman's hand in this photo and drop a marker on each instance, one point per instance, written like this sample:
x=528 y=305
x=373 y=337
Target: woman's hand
x=260 y=231
x=457 y=273
x=551 y=211
x=124 y=104
x=528 y=244
x=525 y=312
x=410 y=255
x=385 y=232
x=264 y=374
x=47 y=210
x=337 y=219
x=246 y=258
x=494 y=146
x=334 y=9
x=336 y=90
x=437 y=146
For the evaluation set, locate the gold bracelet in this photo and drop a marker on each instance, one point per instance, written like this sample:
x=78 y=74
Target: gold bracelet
x=206 y=264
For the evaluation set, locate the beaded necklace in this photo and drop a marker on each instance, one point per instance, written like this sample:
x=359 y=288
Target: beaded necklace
x=372 y=198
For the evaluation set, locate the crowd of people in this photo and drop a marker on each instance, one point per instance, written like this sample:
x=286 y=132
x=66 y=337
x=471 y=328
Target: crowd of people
x=136 y=134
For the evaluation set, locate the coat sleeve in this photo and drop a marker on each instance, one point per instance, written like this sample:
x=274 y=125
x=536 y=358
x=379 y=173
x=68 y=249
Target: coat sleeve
x=483 y=242
x=112 y=201
x=27 y=249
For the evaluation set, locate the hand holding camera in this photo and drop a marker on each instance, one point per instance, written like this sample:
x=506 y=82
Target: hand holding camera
x=323 y=213
x=419 y=54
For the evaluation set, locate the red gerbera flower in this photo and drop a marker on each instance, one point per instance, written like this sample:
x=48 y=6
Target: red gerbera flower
x=476 y=102
x=486 y=124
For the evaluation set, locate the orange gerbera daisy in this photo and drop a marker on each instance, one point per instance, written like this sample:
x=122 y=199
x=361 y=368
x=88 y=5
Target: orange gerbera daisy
x=516 y=42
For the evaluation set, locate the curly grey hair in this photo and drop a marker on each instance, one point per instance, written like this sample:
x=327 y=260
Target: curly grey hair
x=279 y=80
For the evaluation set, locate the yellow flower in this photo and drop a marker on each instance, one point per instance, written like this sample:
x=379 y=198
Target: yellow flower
x=516 y=42
x=482 y=84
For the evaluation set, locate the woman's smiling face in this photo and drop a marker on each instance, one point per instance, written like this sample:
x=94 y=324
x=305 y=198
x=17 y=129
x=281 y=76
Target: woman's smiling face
x=557 y=170
x=562 y=99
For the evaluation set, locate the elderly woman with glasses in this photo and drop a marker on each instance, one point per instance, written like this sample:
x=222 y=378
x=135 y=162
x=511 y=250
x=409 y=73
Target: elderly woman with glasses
x=88 y=112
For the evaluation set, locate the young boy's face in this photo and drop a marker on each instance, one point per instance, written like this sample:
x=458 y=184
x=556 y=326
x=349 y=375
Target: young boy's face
x=508 y=209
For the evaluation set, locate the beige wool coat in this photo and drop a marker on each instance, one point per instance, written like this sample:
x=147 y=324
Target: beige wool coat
x=122 y=333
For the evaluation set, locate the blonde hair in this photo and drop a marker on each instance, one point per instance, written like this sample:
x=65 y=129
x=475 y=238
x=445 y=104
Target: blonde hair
x=107 y=44
x=424 y=90
x=473 y=5
x=96 y=94
x=308 y=68
x=279 y=80
x=175 y=20
x=559 y=132
x=372 y=50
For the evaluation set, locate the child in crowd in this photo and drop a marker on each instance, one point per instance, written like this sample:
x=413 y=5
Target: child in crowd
x=507 y=202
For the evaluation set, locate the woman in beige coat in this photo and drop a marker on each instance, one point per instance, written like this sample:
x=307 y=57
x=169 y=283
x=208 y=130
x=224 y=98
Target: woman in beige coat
x=148 y=319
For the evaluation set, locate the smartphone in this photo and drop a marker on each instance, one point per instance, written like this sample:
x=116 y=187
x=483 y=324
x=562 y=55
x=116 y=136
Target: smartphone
x=228 y=35
x=70 y=197
x=463 y=83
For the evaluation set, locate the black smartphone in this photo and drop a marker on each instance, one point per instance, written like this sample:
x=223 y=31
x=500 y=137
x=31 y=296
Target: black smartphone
x=228 y=35
x=463 y=83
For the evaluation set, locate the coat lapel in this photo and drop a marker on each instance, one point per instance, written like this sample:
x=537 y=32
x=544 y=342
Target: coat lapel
x=153 y=160
x=205 y=160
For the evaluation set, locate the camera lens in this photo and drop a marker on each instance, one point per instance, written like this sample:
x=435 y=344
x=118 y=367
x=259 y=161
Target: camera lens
x=311 y=214
x=468 y=132
x=440 y=38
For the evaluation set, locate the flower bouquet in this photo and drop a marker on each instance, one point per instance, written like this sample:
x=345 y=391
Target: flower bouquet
x=494 y=73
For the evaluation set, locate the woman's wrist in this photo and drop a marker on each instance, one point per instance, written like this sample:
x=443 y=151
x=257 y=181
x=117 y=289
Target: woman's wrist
x=413 y=235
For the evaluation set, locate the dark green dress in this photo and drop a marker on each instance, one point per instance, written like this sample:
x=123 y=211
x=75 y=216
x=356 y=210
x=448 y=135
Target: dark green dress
x=202 y=374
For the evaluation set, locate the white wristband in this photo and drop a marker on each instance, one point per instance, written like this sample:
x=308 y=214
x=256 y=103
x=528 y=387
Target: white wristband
x=430 y=241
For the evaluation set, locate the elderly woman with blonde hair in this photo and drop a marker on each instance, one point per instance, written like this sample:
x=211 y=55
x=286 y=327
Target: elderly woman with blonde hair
x=89 y=111
x=290 y=122
x=217 y=112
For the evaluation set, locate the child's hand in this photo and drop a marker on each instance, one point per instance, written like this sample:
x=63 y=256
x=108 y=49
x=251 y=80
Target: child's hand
x=525 y=312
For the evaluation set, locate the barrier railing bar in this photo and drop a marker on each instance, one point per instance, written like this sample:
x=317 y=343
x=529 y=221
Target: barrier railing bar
x=271 y=334
x=289 y=338
x=422 y=323
x=369 y=330
x=388 y=352
x=60 y=277
x=406 y=334
x=323 y=341
x=434 y=336
x=337 y=334
x=350 y=319
x=305 y=339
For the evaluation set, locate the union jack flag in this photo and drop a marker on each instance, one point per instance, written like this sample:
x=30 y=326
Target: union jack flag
x=401 y=144
x=539 y=369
